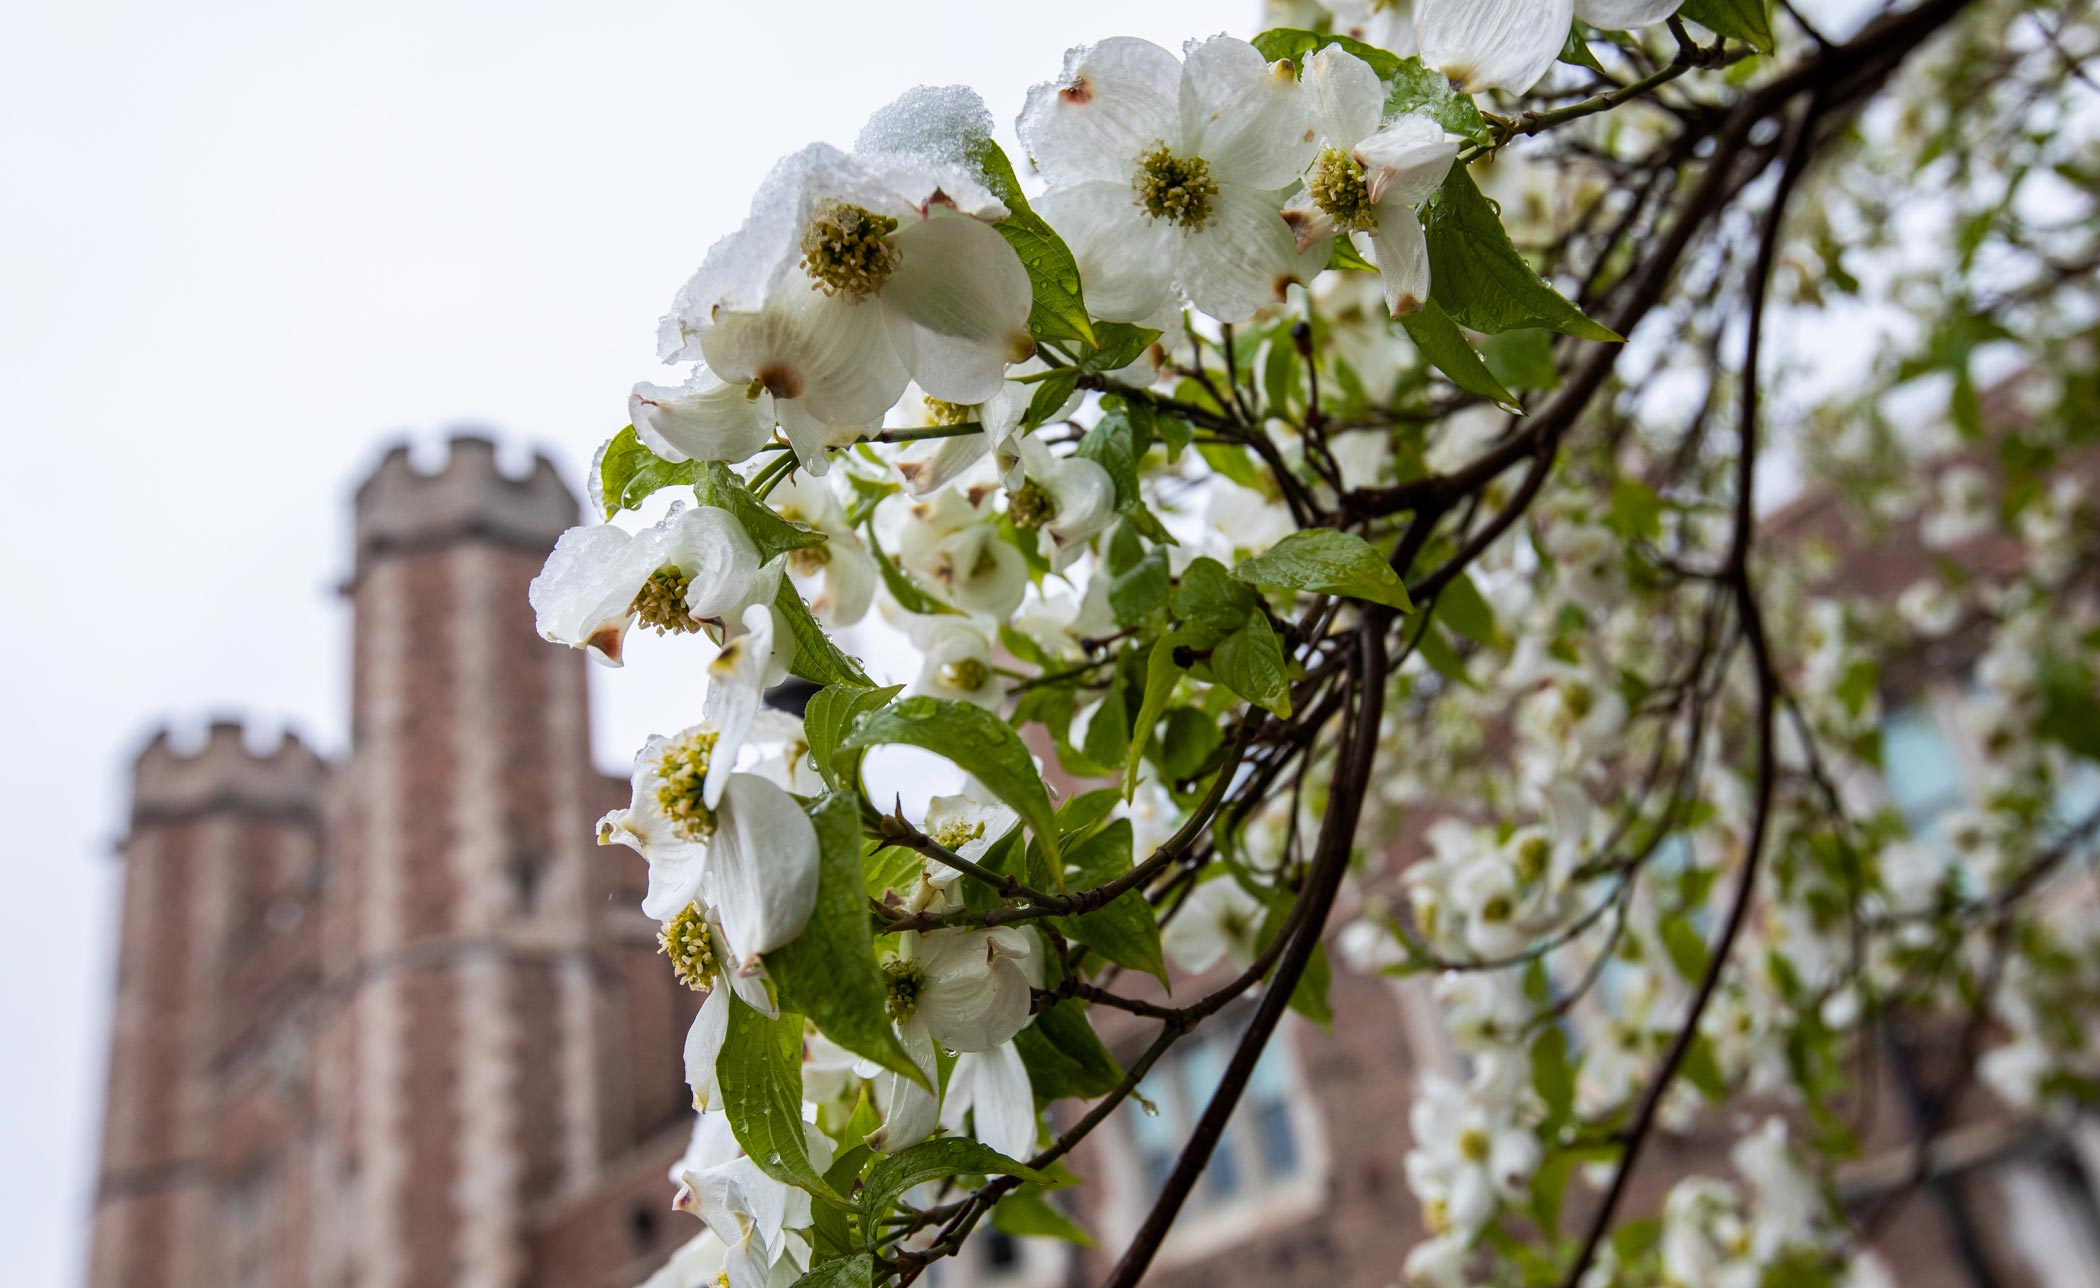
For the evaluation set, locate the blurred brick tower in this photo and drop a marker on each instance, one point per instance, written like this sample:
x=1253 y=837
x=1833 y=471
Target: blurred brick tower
x=389 y=1023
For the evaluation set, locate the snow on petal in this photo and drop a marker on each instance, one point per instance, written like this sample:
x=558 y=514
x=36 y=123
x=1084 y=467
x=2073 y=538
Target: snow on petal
x=1113 y=100
x=584 y=594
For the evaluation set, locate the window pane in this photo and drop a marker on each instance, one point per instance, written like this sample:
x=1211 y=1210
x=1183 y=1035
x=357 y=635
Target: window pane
x=1923 y=775
x=1268 y=1102
x=1155 y=1135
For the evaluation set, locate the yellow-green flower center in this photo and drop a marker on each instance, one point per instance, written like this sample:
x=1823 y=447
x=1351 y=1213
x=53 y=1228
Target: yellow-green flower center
x=661 y=602
x=1176 y=189
x=956 y=835
x=1496 y=909
x=683 y=775
x=948 y=413
x=965 y=673
x=847 y=250
x=1473 y=1145
x=903 y=980
x=809 y=560
x=1338 y=187
x=1532 y=853
x=1031 y=506
x=684 y=939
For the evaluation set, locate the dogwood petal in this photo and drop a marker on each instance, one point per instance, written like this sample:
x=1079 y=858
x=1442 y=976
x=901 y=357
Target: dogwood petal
x=913 y=1111
x=994 y=1086
x=827 y=358
x=1112 y=101
x=1242 y=114
x=1407 y=160
x=1624 y=15
x=706 y=420
x=1126 y=261
x=1401 y=252
x=1347 y=98
x=1244 y=258
x=957 y=307
x=1492 y=44
x=703 y=1046
x=761 y=869
x=735 y=687
x=975 y=995
x=584 y=594
x=710 y=547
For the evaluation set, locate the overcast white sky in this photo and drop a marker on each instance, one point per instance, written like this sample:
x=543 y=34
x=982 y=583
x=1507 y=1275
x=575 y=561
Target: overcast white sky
x=244 y=244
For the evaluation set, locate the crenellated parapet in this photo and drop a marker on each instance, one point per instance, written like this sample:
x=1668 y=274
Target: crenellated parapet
x=470 y=497
x=173 y=779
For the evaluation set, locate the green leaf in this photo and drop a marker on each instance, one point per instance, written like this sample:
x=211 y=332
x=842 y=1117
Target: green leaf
x=1576 y=49
x=1063 y=1056
x=1636 y=511
x=1210 y=602
x=1522 y=359
x=1297 y=44
x=1250 y=663
x=1027 y=1213
x=1442 y=658
x=1686 y=946
x=1184 y=743
x=856 y=1271
x=817 y=658
x=830 y=717
x=1050 y=396
x=909 y=594
x=1141 y=590
x=760 y=1069
x=1479 y=277
x=828 y=972
x=2070 y=705
x=1124 y=930
x=1552 y=1076
x=1327 y=561
x=931 y=1160
x=1058 y=310
x=976 y=740
x=628 y=473
x=1746 y=20
x=1462 y=607
x=1447 y=349
x=1119 y=345
x=1309 y=996
x=1162 y=673
x=718 y=485
x=1112 y=444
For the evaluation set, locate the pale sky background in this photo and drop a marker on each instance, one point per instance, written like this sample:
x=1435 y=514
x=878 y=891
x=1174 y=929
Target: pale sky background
x=243 y=245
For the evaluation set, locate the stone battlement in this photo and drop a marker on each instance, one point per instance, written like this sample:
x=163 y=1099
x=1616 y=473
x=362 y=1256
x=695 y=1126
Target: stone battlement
x=224 y=774
x=470 y=497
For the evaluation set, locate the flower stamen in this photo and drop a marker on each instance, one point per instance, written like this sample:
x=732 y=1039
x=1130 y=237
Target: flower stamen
x=1338 y=186
x=1176 y=189
x=903 y=980
x=847 y=250
x=1030 y=506
x=660 y=602
x=683 y=777
x=685 y=940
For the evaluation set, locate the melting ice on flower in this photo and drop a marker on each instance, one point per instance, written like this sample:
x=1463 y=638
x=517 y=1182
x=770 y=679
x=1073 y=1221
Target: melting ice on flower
x=854 y=273
x=1163 y=174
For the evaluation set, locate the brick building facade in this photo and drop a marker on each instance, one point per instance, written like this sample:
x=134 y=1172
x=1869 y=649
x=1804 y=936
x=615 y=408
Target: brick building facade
x=393 y=1021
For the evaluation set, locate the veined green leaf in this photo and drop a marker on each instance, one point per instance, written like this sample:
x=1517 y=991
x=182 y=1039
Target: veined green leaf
x=628 y=473
x=1746 y=20
x=1479 y=277
x=1026 y=1213
x=718 y=485
x=931 y=1160
x=1327 y=561
x=1124 y=930
x=1448 y=350
x=1250 y=663
x=974 y=739
x=828 y=719
x=1162 y=673
x=760 y=1069
x=1063 y=1056
x=829 y=971
x=856 y=1271
x=1058 y=311
x=818 y=658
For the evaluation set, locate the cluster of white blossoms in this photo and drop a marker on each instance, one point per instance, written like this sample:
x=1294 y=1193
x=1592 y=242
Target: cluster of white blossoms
x=1109 y=456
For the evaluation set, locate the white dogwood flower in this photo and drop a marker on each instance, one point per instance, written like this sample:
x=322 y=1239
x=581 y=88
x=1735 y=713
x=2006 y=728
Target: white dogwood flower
x=1163 y=173
x=698 y=949
x=837 y=575
x=1369 y=175
x=695 y=567
x=955 y=659
x=1510 y=44
x=965 y=989
x=1064 y=499
x=705 y=420
x=853 y=273
x=1468 y=1155
x=753 y=1213
x=951 y=542
x=1219 y=920
x=989 y=1092
x=733 y=841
